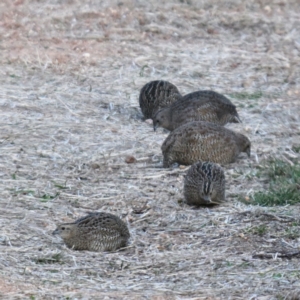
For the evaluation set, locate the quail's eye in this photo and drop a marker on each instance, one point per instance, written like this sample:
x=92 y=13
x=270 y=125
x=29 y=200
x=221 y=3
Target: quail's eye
x=63 y=228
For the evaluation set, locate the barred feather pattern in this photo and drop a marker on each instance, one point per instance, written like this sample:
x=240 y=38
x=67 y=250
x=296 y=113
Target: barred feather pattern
x=204 y=184
x=156 y=95
x=206 y=106
x=203 y=141
x=95 y=232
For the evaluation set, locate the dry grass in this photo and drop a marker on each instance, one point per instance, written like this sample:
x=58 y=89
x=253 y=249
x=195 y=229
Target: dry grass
x=70 y=78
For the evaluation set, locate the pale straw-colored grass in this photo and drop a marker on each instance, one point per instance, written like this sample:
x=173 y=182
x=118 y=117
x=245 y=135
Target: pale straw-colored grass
x=70 y=77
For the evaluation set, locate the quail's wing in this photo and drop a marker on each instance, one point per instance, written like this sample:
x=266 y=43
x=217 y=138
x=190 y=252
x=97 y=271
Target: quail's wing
x=176 y=138
x=96 y=219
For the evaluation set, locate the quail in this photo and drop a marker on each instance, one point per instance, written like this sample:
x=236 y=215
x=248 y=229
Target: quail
x=206 y=106
x=203 y=141
x=98 y=231
x=156 y=95
x=204 y=184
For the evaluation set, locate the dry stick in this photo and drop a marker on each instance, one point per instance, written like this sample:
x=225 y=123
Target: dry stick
x=288 y=161
x=277 y=254
x=290 y=245
x=271 y=215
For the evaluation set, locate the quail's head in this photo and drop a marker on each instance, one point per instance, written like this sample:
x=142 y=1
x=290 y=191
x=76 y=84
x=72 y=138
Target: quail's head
x=245 y=145
x=162 y=119
x=65 y=231
x=207 y=191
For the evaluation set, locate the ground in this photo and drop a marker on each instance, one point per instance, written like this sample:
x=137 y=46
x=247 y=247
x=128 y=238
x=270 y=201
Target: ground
x=70 y=75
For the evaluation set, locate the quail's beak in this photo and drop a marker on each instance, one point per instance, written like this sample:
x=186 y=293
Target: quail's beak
x=56 y=231
x=248 y=151
x=154 y=127
x=206 y=198
x=237 y=119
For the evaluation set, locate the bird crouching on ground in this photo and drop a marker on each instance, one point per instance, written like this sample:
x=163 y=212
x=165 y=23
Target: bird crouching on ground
x=203 y=141
x=98 y=231
x=204 y=184
x=207 y=106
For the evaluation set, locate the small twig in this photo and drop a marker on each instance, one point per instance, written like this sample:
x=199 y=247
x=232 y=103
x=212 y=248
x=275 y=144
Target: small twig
x=275 y=255
x=290 y=245
x=280 y=219
x=288 y=161
x=272 y=216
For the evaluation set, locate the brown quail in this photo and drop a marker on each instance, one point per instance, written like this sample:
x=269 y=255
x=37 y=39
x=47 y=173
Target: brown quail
x=156 y=95
x=206 y=106
x=203 y=141
x=98 y=231
x=204 y=184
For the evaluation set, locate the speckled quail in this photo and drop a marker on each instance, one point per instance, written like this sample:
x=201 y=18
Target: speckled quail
x=206 y=106
x=203 y=141
x=156 y=95
x=98 y=231
x=204 y=184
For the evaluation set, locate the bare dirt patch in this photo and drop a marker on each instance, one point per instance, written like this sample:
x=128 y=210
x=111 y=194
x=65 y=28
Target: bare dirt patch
x=70 y=76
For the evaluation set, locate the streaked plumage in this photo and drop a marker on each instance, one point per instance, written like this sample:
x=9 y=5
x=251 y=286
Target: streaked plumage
x=203 y=141
x=204 y=184
x=156 y=95
x=206 y=106
x=98 y=231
